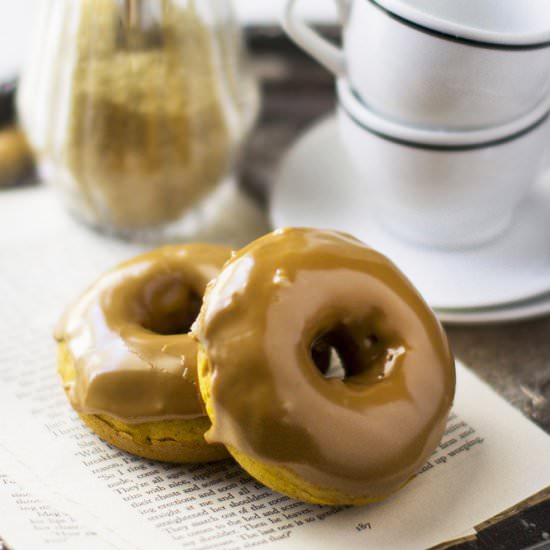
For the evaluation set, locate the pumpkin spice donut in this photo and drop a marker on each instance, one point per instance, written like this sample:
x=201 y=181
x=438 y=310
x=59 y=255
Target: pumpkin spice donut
x=127 y=361
x=319 y=434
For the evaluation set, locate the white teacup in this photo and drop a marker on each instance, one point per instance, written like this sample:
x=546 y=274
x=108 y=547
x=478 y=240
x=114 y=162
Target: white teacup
x=456 y=64
x=442 y=189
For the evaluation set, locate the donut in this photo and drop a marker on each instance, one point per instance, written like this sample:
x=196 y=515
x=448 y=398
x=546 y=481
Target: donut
x=128 y=362
x=348 y=427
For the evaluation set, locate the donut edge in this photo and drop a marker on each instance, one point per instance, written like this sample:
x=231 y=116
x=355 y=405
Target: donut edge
x=176 y=451
x=279 y=478
x=182 y=443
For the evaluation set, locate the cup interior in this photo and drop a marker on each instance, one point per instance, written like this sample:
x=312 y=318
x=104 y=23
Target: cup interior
x=503 y=21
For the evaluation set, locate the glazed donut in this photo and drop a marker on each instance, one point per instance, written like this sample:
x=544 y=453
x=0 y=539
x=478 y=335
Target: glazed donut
x=126 y=358
x=264 y=328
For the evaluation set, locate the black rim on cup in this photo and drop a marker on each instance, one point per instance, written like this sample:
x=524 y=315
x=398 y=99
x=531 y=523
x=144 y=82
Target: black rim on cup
x=436 y=147
x=454 y=38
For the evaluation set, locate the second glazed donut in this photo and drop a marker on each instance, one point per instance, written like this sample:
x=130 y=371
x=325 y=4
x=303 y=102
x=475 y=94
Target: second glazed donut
x=266 y=324
x=127 y=361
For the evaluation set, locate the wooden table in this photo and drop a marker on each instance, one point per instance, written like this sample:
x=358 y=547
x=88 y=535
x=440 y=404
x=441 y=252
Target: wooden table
x=514 y=358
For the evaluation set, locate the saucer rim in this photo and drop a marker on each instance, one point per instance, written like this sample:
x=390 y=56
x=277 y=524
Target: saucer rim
x=535 y=308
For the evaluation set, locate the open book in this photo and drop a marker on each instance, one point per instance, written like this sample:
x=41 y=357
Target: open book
x=63 y=488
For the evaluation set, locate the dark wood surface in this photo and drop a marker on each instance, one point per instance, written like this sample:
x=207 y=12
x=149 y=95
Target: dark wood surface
x=513 y=358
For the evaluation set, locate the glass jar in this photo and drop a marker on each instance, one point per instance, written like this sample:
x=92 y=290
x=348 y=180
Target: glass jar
x=136 y=109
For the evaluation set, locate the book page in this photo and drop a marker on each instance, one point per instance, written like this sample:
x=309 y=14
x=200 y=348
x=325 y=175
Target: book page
x=62 y=487
x=36 y=518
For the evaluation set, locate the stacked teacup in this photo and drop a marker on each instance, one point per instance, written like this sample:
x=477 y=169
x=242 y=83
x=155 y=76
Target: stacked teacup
x=443 y=108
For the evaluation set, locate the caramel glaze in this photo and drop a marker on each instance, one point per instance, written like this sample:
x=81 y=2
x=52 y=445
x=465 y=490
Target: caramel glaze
x=261 y=324
x=128 y=336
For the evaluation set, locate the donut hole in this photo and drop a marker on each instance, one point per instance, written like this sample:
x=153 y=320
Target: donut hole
x=168 y=306
x=340 y=353
x=328 y=361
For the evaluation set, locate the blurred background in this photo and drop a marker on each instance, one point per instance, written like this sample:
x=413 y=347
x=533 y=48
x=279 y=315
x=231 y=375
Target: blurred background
x=281 y=68
x=15 y=27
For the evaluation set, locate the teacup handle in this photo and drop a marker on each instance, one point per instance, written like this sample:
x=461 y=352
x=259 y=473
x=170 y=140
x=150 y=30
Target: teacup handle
x=312 y=42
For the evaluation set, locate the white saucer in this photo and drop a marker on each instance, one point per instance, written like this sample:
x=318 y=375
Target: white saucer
x=530 y=309
x=317 y=187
